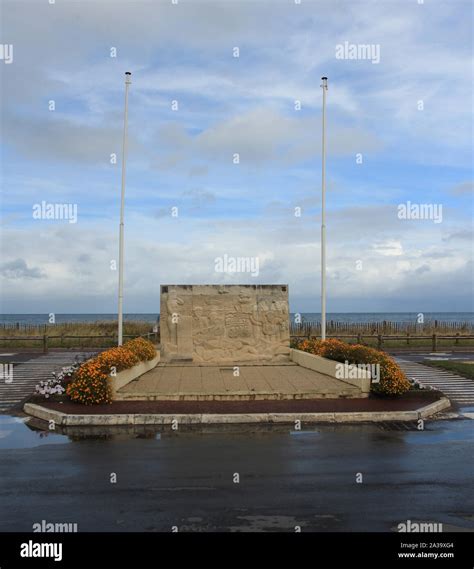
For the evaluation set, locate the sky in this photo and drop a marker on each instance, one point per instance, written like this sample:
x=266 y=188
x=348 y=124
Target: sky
x=224 y=151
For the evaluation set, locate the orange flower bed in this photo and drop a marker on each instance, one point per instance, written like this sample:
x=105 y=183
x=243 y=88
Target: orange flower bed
x=392 y=379
x=90 y=383
x=117 y=359
x=142 y=348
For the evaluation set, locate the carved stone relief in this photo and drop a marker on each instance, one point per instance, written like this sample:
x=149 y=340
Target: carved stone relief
x=224 y=323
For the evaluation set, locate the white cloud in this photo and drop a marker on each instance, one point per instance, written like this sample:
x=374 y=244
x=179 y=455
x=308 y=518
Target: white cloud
x=228 y=106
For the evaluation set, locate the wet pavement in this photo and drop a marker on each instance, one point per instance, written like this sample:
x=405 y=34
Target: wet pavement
x=237 y=478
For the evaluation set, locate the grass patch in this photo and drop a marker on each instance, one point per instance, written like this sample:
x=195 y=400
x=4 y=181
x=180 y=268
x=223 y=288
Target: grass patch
x=414 y=343
x=100 y=328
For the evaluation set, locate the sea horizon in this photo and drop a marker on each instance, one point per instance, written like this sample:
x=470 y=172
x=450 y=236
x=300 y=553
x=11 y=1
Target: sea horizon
x=350 y=317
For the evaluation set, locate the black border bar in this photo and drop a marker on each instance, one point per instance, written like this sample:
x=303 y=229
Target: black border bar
x=243 y=550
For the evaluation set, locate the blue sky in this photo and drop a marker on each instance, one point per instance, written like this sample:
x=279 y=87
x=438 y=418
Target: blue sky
x=184 y=158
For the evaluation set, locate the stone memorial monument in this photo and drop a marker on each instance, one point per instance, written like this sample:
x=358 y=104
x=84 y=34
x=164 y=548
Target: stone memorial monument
x=224 y=323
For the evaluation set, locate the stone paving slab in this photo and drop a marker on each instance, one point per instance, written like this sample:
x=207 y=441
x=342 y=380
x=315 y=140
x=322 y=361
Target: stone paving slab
x=187 y=382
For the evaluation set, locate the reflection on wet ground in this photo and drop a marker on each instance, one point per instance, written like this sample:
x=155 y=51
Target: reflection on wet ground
x=28 y=432
x=20 y=433
x=185 y=477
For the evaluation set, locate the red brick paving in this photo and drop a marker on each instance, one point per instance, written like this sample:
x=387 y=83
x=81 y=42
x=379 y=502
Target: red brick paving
x=406 y=403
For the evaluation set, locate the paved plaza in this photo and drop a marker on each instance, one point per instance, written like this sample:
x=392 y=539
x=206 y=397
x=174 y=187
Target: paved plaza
x=173 y=381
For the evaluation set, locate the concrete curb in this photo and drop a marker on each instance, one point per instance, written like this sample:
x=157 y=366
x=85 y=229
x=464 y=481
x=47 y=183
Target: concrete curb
x=64 y=419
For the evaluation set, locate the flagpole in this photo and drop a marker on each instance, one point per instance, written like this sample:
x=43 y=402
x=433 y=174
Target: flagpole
x=128 y=82
x=324 y=86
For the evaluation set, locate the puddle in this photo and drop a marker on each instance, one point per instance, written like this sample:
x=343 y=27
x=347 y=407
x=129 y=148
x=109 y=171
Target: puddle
x=454 y=431
x=28 y=432
x=16 y=433
x=305 y=433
